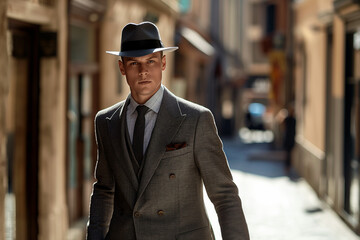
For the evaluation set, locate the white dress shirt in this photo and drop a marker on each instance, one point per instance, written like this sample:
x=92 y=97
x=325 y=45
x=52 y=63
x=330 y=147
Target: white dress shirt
x=153 y=104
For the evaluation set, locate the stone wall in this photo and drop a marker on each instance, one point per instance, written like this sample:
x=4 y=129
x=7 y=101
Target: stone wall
x=4 y=88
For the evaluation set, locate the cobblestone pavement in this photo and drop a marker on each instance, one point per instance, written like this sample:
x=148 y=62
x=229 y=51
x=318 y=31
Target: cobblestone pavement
x=277 y=207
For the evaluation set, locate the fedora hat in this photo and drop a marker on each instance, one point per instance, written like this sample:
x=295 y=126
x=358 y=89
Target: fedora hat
x=139 y=40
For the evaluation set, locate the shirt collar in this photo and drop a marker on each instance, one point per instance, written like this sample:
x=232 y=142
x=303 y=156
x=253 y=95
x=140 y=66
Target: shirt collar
x=153 y=103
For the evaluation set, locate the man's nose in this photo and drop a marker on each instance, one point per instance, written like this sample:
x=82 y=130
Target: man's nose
x=143 y=69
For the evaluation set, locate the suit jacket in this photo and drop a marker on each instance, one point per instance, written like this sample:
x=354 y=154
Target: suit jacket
x=167 y=201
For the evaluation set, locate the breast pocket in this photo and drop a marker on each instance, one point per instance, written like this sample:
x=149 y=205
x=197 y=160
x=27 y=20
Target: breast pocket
x=176 y=153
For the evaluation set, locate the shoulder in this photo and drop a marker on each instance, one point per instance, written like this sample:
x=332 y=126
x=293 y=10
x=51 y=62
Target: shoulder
x=198 y=113
x=201 y=116
x=188 y=107
x=109 y=111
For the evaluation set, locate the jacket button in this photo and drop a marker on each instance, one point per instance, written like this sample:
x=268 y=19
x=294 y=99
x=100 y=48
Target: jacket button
x=137 y=214
x=172 y=176
x=161 y=212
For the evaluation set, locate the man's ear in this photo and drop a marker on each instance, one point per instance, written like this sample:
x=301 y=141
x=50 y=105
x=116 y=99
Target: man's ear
x=121 y=67
x=163 y=62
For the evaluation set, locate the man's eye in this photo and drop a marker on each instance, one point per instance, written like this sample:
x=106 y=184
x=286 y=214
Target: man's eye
x=133 y=63
x=151 y=61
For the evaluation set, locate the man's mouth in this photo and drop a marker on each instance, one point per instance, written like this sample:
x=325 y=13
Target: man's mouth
x=144 y=82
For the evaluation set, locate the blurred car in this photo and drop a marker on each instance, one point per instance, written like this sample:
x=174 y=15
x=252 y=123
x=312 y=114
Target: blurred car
x=254 y=116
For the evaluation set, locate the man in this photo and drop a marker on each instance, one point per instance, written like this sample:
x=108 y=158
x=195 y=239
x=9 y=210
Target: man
x=289 y=125
x=155 y=151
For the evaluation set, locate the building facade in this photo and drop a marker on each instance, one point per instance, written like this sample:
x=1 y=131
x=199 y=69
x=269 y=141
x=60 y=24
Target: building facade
x=326 y=75
x=349 y=25
x=209 y=65
x=55 y=77
x=227 y=31
x=35 y=33
x=267 y=46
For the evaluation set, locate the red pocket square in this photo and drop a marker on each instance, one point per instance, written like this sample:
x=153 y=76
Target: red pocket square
x=175 y=146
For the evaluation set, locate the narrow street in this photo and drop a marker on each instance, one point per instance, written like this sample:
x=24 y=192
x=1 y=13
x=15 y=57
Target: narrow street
x=277 y=207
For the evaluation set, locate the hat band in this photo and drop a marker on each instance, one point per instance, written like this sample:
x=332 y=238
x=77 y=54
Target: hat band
x=141 y=45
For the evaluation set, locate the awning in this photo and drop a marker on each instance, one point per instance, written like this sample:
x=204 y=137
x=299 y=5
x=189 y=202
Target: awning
x=197 y=41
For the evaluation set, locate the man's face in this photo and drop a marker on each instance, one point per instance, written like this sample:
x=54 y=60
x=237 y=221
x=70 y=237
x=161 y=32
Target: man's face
x=143 y=75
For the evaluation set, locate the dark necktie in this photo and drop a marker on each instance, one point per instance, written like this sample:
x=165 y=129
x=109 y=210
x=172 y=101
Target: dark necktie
x=138 y=138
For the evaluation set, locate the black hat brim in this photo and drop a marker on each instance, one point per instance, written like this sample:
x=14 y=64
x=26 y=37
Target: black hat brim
x=143 y=52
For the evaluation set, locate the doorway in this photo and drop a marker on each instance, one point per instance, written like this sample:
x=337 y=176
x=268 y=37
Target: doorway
x=329 y=176
x=82 y=104
x=22 y=127
x=352 y=127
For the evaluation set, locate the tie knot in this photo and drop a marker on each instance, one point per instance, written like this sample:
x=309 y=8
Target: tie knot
x=142 y=109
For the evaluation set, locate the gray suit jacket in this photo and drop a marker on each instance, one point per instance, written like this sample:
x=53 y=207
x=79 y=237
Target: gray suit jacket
x=167 y=201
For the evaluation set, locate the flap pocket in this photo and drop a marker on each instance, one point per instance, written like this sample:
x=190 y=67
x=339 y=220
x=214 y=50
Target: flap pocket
x=203 y=233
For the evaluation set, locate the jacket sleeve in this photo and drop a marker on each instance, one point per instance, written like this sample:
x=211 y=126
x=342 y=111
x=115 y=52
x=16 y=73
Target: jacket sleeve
x=222 y=191
x=102 y=198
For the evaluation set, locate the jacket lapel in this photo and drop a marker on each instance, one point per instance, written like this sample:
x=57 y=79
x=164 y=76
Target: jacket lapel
x=117 y=128
x=167 y=124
